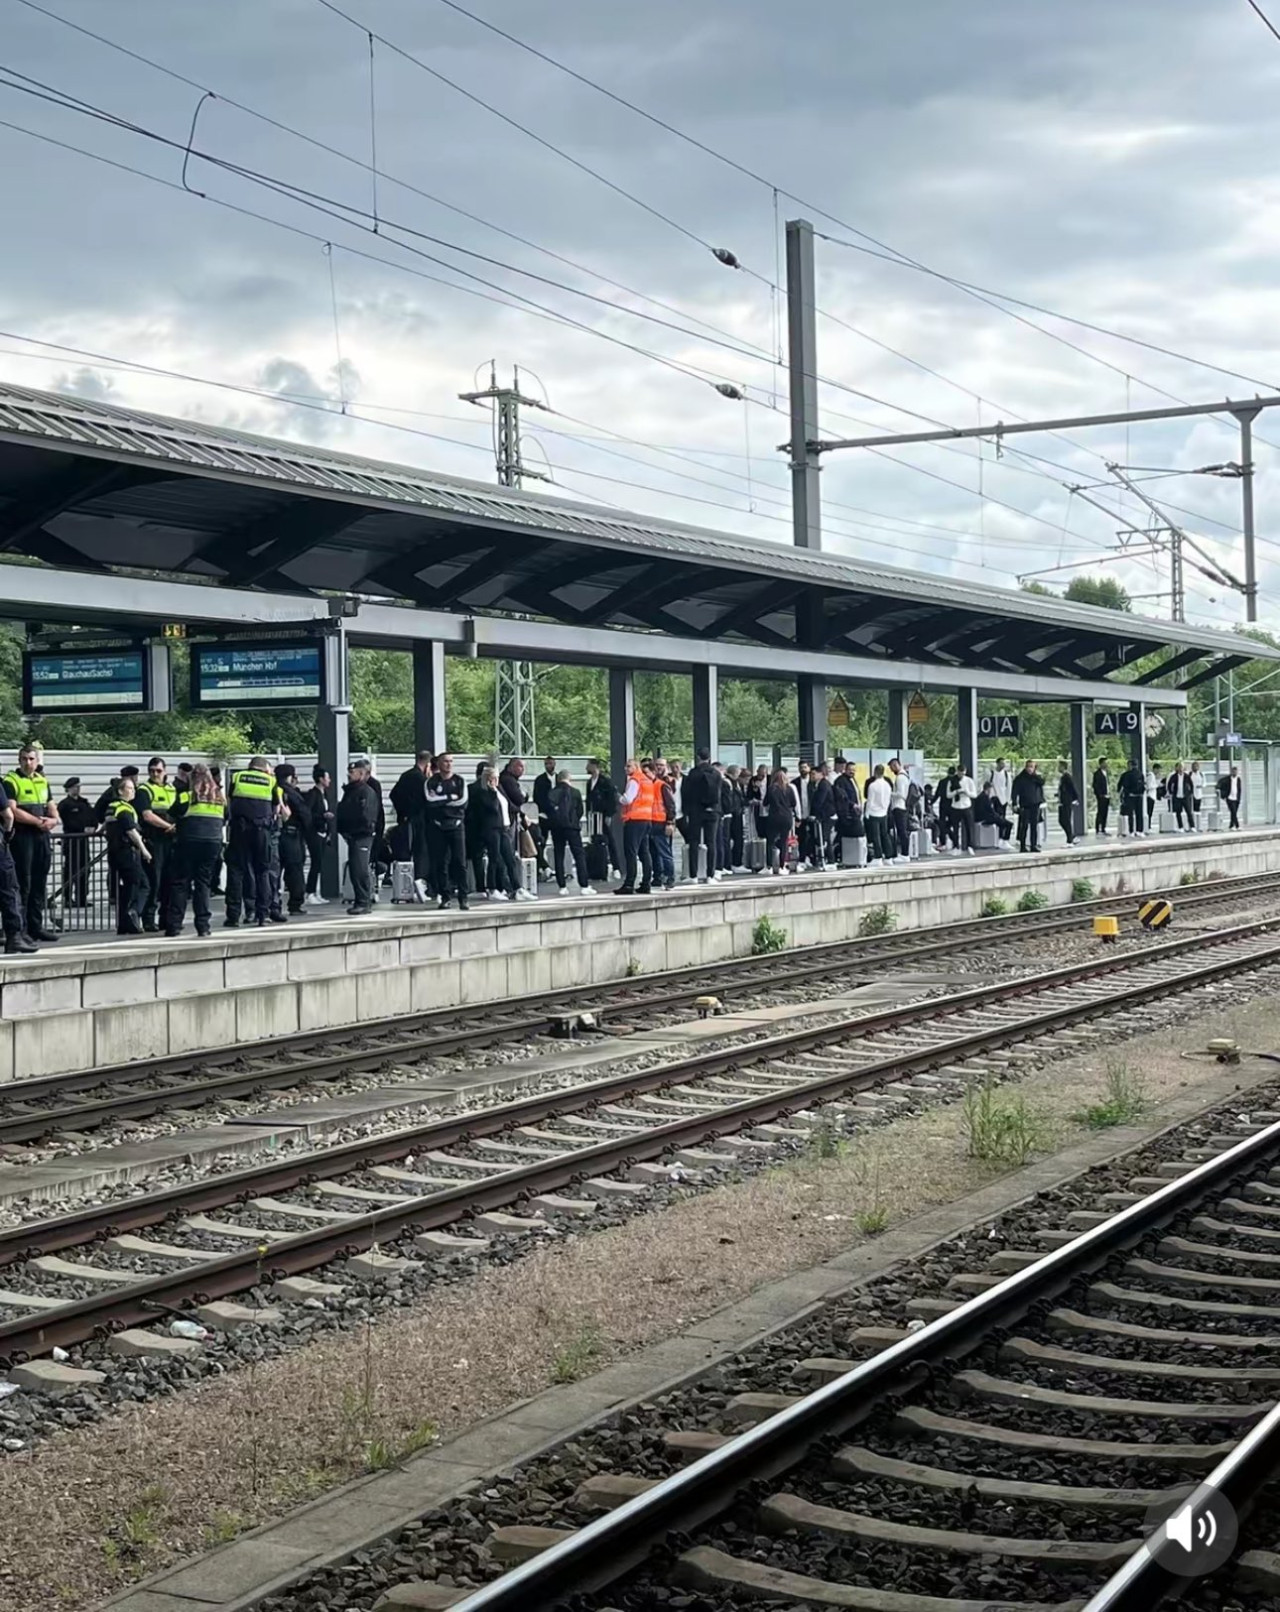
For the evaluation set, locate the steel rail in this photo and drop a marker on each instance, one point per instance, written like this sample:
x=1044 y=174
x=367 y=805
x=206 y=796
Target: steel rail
x=602 y=1551
x=226 y=1274
x=103 y=1220
x=442 y=1031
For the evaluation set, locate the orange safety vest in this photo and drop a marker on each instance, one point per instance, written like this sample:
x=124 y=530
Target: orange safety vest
x=647 y=806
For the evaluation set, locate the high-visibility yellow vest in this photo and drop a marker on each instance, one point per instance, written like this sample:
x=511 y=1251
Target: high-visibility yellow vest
x=32 y=794
x=161 y=796
x=206 y=808
x=252 y=785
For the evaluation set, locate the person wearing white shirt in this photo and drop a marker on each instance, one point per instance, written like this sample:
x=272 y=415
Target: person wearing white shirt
x=1196 y=803
x=899 y=817
x=1001 y=781
x=963 y=793
x=1154 y=785
x=878 y=802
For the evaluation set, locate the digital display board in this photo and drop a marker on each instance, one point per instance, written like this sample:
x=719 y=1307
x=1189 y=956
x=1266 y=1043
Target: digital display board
x=236 y=675
x=55 y=684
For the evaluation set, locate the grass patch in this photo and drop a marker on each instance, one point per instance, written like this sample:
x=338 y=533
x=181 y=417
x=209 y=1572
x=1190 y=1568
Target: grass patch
x=825 y=1141
x=1032 y=901
x=1189 y=876
x=880 y=920
x=1124 y=1099
x=871 y=1222
x=1082 y=889
x=222 y=1529
x=767 y=937
x=579 y=1355
x=1001 y=1128
x=994 y=907
x=633 y=967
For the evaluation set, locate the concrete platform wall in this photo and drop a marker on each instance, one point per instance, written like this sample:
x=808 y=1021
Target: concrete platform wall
x=84 y=1008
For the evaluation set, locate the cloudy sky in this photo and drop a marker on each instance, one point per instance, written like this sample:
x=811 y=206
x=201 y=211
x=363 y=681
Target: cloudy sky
x=1119 y=164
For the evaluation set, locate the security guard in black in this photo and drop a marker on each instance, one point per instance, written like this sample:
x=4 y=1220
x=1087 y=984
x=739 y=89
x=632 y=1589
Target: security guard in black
x=127 y=857
x=34 y=819
x=252 y=806
x=154 y=805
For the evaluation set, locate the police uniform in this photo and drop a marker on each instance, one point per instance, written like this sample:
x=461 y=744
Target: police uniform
x=160 y=799
x=252 y=799
x=125 y=862
x=12 y=917
x=30 y=848
x=195 y=861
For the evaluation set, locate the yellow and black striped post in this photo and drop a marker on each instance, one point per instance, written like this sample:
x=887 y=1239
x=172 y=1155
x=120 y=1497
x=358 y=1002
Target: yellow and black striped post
x=1156 y=913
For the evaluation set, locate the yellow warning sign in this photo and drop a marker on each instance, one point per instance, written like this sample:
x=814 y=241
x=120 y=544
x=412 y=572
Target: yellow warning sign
x=838 y=712
x=918 y=710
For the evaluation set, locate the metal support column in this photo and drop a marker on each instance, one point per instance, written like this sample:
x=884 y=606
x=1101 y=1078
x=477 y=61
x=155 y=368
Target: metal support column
x=1246 y=418
x=428 y=697
x=1078 y=712
x=899 y=722
x=706 y=700
x=333 y=742
x=802 y=340
x=812 y=692
x=1138 y=738
x=967 y=730
x=622 y=723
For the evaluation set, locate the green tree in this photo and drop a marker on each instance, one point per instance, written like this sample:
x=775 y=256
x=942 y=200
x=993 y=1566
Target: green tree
x=1103 y=591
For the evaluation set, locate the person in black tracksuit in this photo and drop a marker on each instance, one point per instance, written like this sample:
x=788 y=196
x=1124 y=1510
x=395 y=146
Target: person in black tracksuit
x=409 y=798
x=357 y=821
x=564 y=820
x=199 y=812
x=543 y=784
x=822 y=811
x=701 y=802
x=317 y=829
x=1068 y=798
x=493 y=850
x=293 y=838
x=446 y=809
x=1102 y=796
x=1027 y=799
x=602 y=802
x=127 y=855
x=154 y=804
x=1133 y=795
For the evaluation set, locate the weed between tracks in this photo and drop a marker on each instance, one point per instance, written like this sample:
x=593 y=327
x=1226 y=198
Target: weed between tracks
x=1124 y=1101
x=1001 y=1127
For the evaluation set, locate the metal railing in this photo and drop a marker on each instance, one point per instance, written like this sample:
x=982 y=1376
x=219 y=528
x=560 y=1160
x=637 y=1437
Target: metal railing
x=80 y=896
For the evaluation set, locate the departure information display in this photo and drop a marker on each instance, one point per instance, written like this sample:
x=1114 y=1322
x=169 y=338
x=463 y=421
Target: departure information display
x=257 y=674
x=109 y=680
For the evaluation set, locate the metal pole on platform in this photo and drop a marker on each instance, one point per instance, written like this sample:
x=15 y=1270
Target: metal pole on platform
x=802 y=334
x=1246 y=418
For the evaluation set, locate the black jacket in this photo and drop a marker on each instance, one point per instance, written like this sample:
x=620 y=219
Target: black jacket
x=701 y=795
x=782 y=807
x=564 y=807
x=484 y=811
x=1028 y=792
x=543 y=784
x=1101 y=785
x=848 y=801
x=316 y=806
x=297 y=818
x=446 y=800
x=1226 y=783
x=78 y=816
x=509 y=784
x=357 y=815
x=822 y=799
x=408 y=796
x=602 y=796
x=1133 y=786
x=988 y=809
x=1180 y=787
x=1068 y=794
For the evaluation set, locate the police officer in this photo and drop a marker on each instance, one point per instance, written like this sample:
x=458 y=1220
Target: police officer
x=127 y=857
x=11 y=914
x=252 y=797
x=34 y=818
x=292 y=842
x=154 y=805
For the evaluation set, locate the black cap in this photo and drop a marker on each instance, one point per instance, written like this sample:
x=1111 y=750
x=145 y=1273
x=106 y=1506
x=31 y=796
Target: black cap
x=71 y=783
x=128 y=772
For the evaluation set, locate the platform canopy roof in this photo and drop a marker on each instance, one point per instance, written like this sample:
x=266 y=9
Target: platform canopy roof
x=89 y=486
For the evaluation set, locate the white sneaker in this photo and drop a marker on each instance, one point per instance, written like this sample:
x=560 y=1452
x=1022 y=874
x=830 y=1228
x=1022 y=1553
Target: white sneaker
x=969 y=850
x=588 y=890
x=420 y=885
x=562 y=889
x=315 y=899
x=499 y=895
x=525 y=895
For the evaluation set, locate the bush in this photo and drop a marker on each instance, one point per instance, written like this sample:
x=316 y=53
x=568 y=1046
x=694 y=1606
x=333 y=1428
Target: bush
x=1000 y=1129
x=1082 y=890
x=994 y=906
x=1032 y=901
x=1124 y=1101
x=1190 y=876
x=878 y=921
x=767 y=937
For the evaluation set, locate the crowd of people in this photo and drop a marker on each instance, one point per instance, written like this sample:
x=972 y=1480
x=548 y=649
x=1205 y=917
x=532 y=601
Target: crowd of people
x=262 y=837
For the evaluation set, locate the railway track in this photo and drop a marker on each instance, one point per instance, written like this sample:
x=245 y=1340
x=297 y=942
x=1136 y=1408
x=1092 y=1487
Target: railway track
x=398 y=1194
x=1020 y=1450
x=34 y=1109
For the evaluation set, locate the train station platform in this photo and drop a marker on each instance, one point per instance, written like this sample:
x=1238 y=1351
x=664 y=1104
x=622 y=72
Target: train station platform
x=84 y=1006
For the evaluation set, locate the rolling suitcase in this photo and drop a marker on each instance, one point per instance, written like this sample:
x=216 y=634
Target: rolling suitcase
x=597 y=861
x=853 y=851
x=753 y=851
x=402 y=886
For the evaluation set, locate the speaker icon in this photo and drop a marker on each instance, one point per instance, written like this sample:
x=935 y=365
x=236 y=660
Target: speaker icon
x=1190 y=1529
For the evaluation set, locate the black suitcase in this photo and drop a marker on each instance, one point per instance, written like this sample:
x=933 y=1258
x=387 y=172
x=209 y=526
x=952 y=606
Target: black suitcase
x=597 y=860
